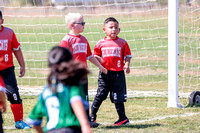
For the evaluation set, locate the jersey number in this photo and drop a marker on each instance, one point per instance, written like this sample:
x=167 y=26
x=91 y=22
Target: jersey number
x=118 y=63
x=52 y=104
x=6 y=57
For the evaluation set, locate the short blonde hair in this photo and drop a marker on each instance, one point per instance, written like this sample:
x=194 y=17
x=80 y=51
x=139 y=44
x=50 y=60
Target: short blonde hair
x=72 y=17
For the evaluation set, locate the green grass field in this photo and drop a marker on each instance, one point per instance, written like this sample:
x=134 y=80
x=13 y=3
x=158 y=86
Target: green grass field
x=145 y=114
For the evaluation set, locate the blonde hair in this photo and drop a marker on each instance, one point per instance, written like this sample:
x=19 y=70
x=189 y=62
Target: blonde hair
x=70 y=18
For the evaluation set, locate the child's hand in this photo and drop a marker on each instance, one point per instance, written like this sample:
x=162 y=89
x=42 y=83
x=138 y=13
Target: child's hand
x=127 y=68
x=3 y=107
x=97 y=60
x=22 y=71
x=103 y=69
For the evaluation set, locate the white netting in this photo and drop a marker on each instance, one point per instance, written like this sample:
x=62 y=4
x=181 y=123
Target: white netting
x=39 y=25
x=189 y=47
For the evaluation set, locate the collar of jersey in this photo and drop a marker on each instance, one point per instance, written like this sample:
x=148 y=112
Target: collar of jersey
x=111 y=39
x=74 y=35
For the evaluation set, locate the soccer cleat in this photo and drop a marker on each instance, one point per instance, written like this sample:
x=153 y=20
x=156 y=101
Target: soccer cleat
x=93 y=123
x=93 y=117
x=121 y=122
x=21 y=125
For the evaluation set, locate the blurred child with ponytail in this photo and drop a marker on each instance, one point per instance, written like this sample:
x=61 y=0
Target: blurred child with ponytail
x=62 y=101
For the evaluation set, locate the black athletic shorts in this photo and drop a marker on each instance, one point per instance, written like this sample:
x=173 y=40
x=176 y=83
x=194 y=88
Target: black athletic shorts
x=113 y=82
x=72 y=129
x=10 y=81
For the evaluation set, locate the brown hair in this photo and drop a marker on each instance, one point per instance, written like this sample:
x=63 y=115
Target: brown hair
x=63 y=68
x=110 y=19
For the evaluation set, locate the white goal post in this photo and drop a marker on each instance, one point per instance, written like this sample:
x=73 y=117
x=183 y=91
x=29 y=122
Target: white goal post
x=173 y=53
x=183 y=51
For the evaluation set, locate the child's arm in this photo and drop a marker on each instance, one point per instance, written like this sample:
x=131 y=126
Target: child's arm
x=98 y=58
x=79 y=111
x=3 y=101
x=96 y=62
x=20 y=59
x=38 y=129
x=127 y=63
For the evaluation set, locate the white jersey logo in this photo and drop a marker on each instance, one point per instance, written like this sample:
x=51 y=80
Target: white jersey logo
x=79 y=48
x=52 y=104
x=111 y=52
x=3 y=45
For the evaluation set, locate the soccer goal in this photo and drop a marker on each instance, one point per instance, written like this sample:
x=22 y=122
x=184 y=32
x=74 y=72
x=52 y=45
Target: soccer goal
x=183 y=47
x=39 y=25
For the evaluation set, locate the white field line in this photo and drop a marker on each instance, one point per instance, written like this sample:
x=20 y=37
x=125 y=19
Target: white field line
x=7 y=127
x=158 y=118
x=165 y=117
x=92 y=93
x=140 y=121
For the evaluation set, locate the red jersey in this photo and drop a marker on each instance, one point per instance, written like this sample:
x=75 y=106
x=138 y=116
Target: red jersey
x=2 y=85
x=8 y=43
x=79 y=47
x=113 y=52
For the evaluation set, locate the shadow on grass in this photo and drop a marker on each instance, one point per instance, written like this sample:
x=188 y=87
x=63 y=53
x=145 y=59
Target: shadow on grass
x=138 y=126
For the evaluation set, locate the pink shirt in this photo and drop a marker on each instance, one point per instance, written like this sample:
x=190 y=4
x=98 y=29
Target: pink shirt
x=8 y=44
x=113 y=52
x=79 y=47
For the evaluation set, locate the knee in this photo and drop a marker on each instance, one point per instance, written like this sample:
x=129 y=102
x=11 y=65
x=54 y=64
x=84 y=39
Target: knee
x=100 y=97
x=14 y=99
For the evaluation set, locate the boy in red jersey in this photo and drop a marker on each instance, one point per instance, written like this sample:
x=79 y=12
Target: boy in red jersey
x=9 y=45
x=2 y=102
x=79 y=47
x=111 y=52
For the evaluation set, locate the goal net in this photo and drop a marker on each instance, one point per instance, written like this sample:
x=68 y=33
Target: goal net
x=39 y=25
x=189 y=49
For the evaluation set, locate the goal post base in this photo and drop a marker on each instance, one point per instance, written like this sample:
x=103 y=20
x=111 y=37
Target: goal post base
x=174 y=105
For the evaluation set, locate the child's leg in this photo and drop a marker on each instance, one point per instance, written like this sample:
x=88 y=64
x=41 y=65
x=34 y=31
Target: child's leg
x=118 y=97
x=123 y=120
x=102 y=93
x=13 y=96
x=118 y=93
x=120 y=111
x=94 y=109
x=12 y=93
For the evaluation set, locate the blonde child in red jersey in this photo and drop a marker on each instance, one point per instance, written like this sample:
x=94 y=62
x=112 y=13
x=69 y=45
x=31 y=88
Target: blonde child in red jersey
x=76 y=42
x=79 y=47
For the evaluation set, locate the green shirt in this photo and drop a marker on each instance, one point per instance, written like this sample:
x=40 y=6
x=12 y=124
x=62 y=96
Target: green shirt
x=56 y=107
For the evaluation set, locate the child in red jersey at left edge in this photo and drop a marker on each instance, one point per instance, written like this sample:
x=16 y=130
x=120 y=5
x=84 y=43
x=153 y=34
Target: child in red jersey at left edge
x=2 y=102
x=9 y=45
